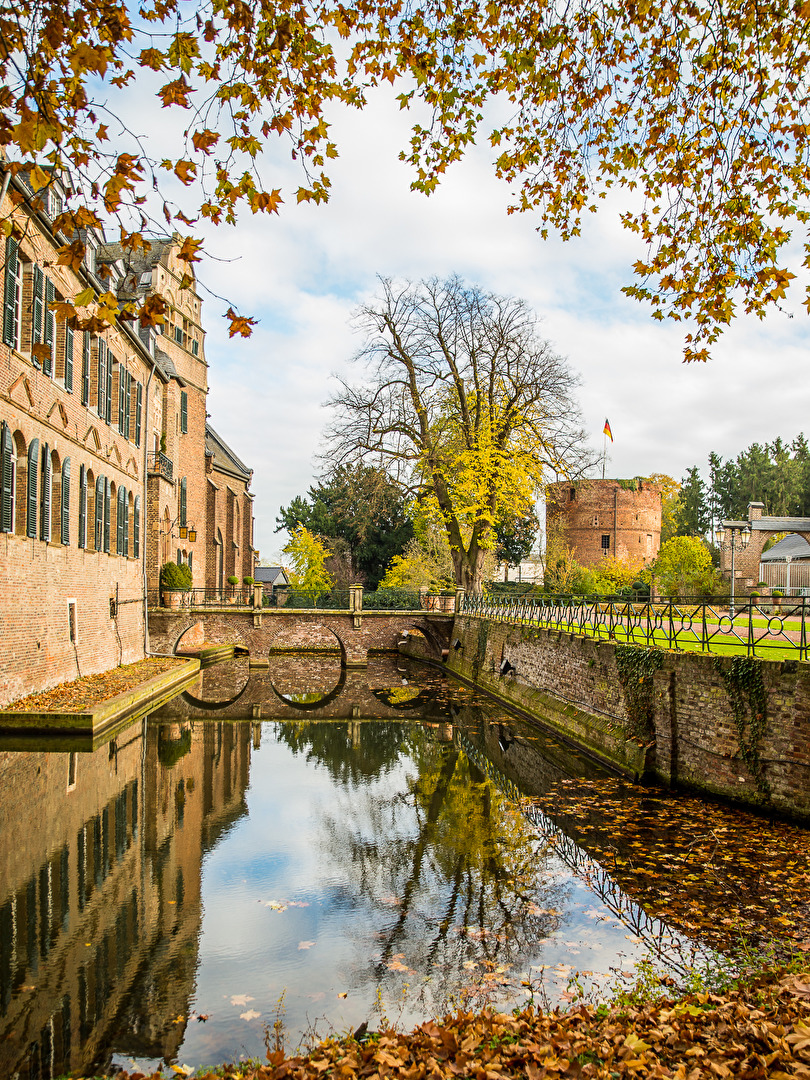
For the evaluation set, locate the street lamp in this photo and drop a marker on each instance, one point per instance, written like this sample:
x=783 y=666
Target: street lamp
x=739 y=533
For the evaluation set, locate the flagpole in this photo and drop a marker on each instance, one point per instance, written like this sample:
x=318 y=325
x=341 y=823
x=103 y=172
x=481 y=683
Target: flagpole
x=604 y=452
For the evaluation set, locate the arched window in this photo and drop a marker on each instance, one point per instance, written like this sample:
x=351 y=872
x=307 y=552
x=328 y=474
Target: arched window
x=122 y=522
x=98 y=531
x=65 y=508
x=83 y=507
x=7 y=480
x=45 y=496
x=183 y=500
x=32 y=489
x=136 y=528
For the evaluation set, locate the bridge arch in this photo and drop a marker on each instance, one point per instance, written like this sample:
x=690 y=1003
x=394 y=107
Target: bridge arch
x=301 y=635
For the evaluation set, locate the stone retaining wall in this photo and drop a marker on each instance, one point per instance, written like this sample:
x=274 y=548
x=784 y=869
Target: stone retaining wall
x=573 y=686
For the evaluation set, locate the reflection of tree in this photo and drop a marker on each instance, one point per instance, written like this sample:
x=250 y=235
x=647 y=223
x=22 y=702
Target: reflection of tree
x=349 y=751
x=453 y=875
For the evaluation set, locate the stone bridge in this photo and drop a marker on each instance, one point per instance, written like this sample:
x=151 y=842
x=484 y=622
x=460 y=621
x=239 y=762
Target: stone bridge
x=262 y=631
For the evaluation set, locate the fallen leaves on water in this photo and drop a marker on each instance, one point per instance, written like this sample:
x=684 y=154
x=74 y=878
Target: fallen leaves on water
x=251 y=1014
x=754 y=1031
x=241 y=999
x=715 y=872
x=91 y=690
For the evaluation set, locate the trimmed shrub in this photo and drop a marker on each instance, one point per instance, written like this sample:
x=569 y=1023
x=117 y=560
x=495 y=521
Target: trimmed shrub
x=176 y=578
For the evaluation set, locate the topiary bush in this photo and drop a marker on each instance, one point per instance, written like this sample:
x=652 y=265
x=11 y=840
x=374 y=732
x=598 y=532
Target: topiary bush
x=233 y=580
x=176 y=578
x=248 y=580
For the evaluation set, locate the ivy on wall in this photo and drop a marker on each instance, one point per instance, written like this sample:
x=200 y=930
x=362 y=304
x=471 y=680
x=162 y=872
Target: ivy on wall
x=636 y=667
x=749 y=706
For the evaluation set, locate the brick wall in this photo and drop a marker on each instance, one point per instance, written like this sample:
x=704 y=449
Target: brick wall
x=571 y=684
x=592 y=509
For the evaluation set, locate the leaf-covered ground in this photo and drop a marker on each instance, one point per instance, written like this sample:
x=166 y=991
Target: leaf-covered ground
x=88 y=692
x=760 y=1030
x=717 y=873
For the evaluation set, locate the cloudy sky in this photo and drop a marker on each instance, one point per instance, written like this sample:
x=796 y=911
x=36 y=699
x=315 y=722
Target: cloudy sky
x=303 y=272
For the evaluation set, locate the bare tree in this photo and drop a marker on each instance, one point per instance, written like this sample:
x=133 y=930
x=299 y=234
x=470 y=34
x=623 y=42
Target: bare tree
x=464 y=404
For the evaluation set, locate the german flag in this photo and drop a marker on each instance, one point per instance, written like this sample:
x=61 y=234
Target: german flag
x=606 y=430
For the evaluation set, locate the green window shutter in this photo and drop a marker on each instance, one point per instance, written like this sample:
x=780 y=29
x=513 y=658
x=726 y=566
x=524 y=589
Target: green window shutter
x=107 y=494
x=108 y=407
x=86 y=368
x=119 y=521
x=37 y=311
x=68 y=357
x=45 y=496
x=10 y=293
x=7 y=511
x=183 y=411
x=138 y=413
x=128 y=405
x=122 y=389
x=102 y=378
x=190 y=557
x=31 y=492
x=65 y=537
x=99 y=515
x=183 y=489
x=136 y=528
x=82 y=507
x=49 y=326
x=179 y=557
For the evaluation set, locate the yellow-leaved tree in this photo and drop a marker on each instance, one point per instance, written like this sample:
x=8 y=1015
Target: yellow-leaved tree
x=464 y=404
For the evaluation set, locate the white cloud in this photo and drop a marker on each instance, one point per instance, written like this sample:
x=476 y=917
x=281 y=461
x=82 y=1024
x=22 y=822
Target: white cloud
x=302 y=272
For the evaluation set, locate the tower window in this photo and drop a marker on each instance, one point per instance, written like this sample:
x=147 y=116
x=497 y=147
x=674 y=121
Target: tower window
x=605 y=543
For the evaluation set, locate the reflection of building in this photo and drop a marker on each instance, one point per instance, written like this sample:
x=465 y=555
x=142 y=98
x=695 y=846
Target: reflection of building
x=100 y=909
x=103 y=447
x=598 y=518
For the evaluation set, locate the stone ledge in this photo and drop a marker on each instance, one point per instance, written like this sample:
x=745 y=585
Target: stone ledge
x=117 y=711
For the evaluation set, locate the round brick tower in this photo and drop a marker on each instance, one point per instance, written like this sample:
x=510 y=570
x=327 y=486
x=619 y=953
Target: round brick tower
x=621 y=518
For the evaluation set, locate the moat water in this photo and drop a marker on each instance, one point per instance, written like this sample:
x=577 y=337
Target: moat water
x=290 y=852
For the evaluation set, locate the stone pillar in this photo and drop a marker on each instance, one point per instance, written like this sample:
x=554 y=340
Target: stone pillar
x=258 y=592
x=460 y=594
x=355 y=598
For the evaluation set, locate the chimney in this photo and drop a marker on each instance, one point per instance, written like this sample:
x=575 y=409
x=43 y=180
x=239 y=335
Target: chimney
x=755 y=510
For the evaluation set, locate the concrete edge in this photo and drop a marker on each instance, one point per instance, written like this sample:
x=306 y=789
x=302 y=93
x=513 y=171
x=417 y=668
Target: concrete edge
x=123 y=708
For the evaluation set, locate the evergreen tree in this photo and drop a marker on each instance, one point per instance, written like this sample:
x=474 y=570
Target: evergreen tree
x=693 y=513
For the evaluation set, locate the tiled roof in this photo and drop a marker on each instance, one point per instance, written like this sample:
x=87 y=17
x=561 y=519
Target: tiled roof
x=782 y=524
x=793 y=545
x=224 y=457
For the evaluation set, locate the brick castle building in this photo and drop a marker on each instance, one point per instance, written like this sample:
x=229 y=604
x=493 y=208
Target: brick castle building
x=104 y=452
x=620 y=518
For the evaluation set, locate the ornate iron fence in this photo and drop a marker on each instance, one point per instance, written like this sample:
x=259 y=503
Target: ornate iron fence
x=760 y=626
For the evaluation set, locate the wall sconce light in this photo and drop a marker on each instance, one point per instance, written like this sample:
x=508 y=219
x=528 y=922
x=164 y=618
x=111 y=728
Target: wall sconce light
x=457 y=644
x=506 y=667
x=188 y=532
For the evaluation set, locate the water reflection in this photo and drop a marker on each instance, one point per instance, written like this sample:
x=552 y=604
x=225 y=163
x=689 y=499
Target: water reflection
x=173 y=884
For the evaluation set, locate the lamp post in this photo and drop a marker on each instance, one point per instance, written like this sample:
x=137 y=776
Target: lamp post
x=739 y=533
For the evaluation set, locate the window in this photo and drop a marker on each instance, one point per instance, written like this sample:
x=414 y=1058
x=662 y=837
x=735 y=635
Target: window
x=178 y=335
x=45 y=496
x=107 y=516
x=72 y=628
x=82 y=507
x=42 y=321
x=138 y=413
x=136 y=528
x=122 y=523
x=86 y=340
x=65 y=507
x=183 y=411
x=101 y=382
x=183 y=491
x=195 y=347
x=7 y=480
x=605 y=543
x=12 y=298
x=572 y=494
x=68 y=357
x=31 y=492
x=99 y=515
